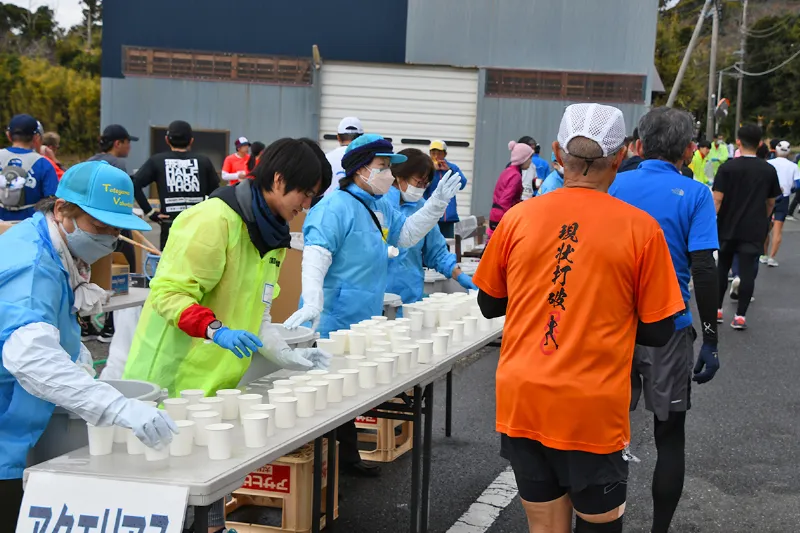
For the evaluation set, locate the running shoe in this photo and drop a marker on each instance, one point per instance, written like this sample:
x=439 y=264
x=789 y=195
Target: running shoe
x=735 y=288
x=719 y=316
x=763 y=259
x=771 y=262
x=106 y=334
x=88 y=331
x=739 y=322
x=790 y=217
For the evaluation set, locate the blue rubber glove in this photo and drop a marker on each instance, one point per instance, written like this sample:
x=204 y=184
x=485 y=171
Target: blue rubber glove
x=465 y=280
x=241 y=343
x=707 y=363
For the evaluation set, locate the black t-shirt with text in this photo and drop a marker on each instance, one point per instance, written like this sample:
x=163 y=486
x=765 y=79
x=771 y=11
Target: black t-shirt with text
x=746 y=183
x=184 y=179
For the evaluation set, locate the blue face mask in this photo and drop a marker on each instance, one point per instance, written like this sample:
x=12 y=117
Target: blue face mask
x=88 y=246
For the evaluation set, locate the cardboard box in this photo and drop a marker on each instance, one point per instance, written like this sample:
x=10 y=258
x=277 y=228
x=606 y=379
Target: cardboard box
x=290 y=279
x=112 y=273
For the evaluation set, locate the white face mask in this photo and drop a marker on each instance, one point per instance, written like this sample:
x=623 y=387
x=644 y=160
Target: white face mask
x=380 y=180
x=412 y=194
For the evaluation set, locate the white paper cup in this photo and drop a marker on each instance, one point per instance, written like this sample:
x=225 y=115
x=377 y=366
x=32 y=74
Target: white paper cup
x=379 y=318
x=343 y=338
x=335 y=387
x=367 y=375
x=358 y=343
x=414 y=349
x=438 y=295
x=306 y=401
x=283 y=384
x=470 y=326
x=203 y=419
x=498 y=322
x=445 y=329
x=444 y=316
x=217 y=404
x=182 y=442
x=220 y=441
x=151 y=454
x=322 y=394
x=230 y=407
x=403 y=361
x=384 y=374
x=317 y=373
x=425 y=350
x=328 y=345
x=101 y=439
x=196 y=408
x=368 y=323
x=255 y=427
x=267 y=409
x=276 y=393
x=484 y=324
x=176 y=408
x=358 y=328
x=458 y=330
x=193 y=395
x=415 y=319
x=400 y=331
x=429 y=317
x=403 y=320
x=121 y=433
x=440 y=343
x=149 y=403
x=300 y=379
x=350 y=382
x=376 y=335
x=399 y=342
x=382 y=345
x=246 y=401
x=285 y=411
x=372 y=353
x=395 y=361
x=133 y=444
x=354 y=360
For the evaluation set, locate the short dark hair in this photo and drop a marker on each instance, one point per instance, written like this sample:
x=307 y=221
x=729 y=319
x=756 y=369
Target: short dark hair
x=180 y=142
x=348 y=137
x=255 y=149
x=418 y=163
x=294 y=160
x=326 y=172
x=762 y=151
x=750 y=136
x=774 y=143
x=527 y=139
x=21 y=138
x=704 y=143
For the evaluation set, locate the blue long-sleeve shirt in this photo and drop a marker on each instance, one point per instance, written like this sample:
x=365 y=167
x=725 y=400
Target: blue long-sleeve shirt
x=451 y=214
x=42 y=182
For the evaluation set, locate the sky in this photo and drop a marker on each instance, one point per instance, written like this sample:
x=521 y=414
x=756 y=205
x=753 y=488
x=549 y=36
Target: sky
x=68 y=12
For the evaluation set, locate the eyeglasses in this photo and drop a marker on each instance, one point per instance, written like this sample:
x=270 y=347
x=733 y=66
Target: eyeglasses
x=418 y=182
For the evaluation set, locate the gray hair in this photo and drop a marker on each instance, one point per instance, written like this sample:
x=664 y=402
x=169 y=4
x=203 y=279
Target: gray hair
x=582 y=149
x=665 y=133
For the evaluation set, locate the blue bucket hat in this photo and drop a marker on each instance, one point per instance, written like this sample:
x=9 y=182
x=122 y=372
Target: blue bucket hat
x=364 y=149
x=104 y=192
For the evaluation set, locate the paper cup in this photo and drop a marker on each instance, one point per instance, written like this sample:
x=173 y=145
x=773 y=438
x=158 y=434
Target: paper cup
x=121 y=435
x=203 y=419
x=217 y=404
x=358 y=328
x=399 y=342
x=196 y=408
x=322 y=394
x=379 y=318
x=358 y=343
x=220 y=441
x=276 y=393
x=399 y=331
x=255 y=427
x=440 y=343
x=267 y=409
x=368 y=323
x=176 y=408
x=458 y=330
x=395 y=360
x=498 y=322
x=414 y=349
x=283 y=384
x=151 y=454
x=306 y=401
x=384 y=374
x=149 y=403
x=484 y=324
x=470 y=326
x=328 y=345
x=230 y=407
x=403 y=320
x=439 y=295
x=101 y=439
x=429 y=317
x=372 y=353
x=446 y=329
x=193 y=395
x=444 y=316
x=354 y=360
x=317 y=373
x=301 y=379
x=425 y=350
x=338 y=341
x=403 y=361
x=335 y=387
x=182 y=442
x=133 y=444
x=246 y=401
x=285 y=411
x=382 y=345
x=416 y=318
x=350 y=382
x=367 y=375
x=376 y=336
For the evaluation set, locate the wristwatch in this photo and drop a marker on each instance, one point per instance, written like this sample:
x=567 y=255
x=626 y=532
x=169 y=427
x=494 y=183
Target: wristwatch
x=213 y=328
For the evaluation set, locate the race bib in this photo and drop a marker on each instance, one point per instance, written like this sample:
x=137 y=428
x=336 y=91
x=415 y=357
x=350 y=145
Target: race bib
x=266 y=297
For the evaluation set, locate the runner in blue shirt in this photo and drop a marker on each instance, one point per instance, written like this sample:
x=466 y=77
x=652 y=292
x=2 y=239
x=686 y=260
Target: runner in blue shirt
x=685 y=210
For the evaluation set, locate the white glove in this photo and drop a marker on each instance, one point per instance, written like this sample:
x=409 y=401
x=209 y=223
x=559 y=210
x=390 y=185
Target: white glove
x=316 y=262
x=85 y=361
x=448 y=187
x=420 y=223
x=152 y=426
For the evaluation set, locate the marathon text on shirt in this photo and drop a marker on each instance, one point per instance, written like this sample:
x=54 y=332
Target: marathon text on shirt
x=558 y=298
x=182 y=175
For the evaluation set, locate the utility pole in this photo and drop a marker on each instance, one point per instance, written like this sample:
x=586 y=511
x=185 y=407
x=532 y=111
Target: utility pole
x=712 y=71
x=685 y=63
x=88 y=29
x=740 y=85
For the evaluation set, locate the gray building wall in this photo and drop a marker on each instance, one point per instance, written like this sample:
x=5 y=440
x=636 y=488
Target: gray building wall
x=612 y=36
x=259 y=112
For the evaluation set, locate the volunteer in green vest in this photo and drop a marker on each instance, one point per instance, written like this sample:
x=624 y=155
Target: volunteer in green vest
x=718 y=154
x=218 y=275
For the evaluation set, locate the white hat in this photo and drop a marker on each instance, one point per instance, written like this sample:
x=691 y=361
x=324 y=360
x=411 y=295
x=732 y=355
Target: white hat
x=242 y=141
x=350 y=125
x=603 y=124
x=783 y=148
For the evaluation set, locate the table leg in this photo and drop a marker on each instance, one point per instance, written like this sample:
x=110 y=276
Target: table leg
x=201 y=518
x=330 y=502
x=416 y=456
x=316 y=494
x=426 y=459
x=448 y=409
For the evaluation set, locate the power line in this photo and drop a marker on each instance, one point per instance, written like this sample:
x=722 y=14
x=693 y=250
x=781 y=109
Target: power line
x=770 y=71
x=767 y=32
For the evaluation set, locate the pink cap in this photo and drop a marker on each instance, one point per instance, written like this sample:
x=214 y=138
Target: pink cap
x=520 y=152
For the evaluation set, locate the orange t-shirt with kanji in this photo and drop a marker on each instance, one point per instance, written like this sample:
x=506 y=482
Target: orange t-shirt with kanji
x=233 y=164
x=580 y=269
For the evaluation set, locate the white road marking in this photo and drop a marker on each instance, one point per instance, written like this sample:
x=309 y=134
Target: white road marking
x=481 y=515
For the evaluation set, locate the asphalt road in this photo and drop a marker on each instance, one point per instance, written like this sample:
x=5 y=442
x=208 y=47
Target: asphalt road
x=743 y=473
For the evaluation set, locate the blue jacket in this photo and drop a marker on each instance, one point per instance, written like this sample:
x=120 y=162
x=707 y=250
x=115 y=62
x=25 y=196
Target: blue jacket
x=34 y=287
x=356 y=280
x=406 y=274
x=542 y=166
x=451 y=213
x=42 y=182
x=551 y=183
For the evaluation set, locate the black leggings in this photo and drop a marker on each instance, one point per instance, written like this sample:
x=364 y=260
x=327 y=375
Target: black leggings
x=10 y=503
x=747 y=275
x=670 y=469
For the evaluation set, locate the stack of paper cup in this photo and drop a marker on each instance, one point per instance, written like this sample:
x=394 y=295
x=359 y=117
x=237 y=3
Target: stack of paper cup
x=220 y=441
x=101 y=439
x=267 y=409
x=350 y=382
x=230 y=406
x=183 y=442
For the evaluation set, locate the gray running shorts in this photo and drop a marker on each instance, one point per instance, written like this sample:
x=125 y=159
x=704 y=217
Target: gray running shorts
x=664 y=374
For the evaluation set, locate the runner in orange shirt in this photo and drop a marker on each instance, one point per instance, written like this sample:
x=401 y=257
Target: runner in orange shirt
x=234 y=168
x=593 y=280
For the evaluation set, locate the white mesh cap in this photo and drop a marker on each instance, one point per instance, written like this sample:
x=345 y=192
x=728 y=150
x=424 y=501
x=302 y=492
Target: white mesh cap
x=603 y=124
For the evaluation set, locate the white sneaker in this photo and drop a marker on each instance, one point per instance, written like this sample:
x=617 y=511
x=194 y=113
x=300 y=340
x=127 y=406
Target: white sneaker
x=790 y=217
x=763 y=259
x=771 y=262
x=735 y=288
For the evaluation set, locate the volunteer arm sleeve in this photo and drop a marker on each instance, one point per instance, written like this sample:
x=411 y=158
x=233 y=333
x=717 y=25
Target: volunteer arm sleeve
x=420 y=223
x=227 y=170
x=706 y=288
x=33 y=355
x=145 y=176
x=436 y=255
